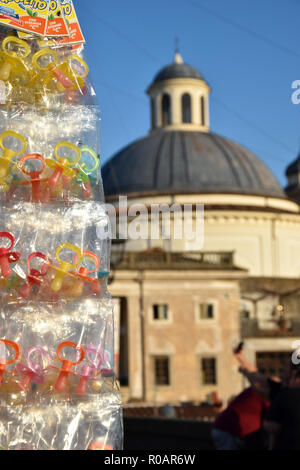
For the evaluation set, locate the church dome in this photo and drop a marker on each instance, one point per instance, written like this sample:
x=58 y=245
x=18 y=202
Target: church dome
x=177 y=71
x=182 y=162
x=181 y=155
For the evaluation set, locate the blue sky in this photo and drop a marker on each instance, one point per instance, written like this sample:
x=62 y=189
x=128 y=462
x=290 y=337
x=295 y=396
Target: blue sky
x=249 y=52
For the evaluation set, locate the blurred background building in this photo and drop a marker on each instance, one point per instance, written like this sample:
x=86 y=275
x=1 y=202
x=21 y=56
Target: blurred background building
x=182 y=306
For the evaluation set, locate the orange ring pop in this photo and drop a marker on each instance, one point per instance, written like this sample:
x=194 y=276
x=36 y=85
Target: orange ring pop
x=83 y=275
x=4 y=363
x=99 y=445
x=61 y=383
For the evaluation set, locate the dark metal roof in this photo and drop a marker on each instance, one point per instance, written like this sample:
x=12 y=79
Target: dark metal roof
x=172 y=162
x=177 y=71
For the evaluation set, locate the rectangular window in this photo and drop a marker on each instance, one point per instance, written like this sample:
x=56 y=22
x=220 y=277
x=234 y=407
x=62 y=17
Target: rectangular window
x=272 y=362
x=208 y=371
x=245 y=314
x=206 y=311
x=203 y=111
x=161 y=370
x=160 y=312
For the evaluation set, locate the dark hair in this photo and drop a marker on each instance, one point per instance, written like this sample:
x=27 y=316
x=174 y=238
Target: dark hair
x=294 y=366
x=295 y=369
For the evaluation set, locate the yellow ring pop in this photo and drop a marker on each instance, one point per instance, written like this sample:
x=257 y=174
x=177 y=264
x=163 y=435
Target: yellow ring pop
x=12 y=60
x=64 y=266
x=62 y=165
x=42 y=72
x=41 y=53
x=67 y=76
x=8 y=154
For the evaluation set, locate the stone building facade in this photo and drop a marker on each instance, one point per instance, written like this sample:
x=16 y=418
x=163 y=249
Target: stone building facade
x=183 y=305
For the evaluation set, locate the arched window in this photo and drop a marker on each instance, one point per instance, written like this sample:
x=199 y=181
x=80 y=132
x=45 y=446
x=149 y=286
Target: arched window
x=202 y=110
x=186 y=108
x=153 y=113
x=166 y=109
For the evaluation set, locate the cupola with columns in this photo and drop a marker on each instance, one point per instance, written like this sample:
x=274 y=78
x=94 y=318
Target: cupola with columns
x=179 y=98
x=293 y=175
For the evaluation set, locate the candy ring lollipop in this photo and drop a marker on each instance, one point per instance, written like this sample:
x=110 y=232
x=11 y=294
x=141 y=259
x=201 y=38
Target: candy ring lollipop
x=8 y=154
x=7 y=256
x=94 y=360
x=71 y=73
x=11 y=61
x=84 y=172
x=4 y=363
x=107 y=357
x=35 y=179
x=43 y=72
x=33 y=372
x=61 y=383
x=64 y=267
x=83 y=275
x=62 y=167
x=33 y=278
x=99 y=445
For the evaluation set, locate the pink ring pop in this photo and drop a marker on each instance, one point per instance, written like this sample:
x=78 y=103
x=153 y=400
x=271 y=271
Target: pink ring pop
x=87 y=371
x=33 y=372
x=7 y=256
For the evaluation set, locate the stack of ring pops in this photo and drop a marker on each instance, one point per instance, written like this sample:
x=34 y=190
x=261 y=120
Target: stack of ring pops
x=41 y=73
x=56 y=352
x=91 y=359
x=46 y=177
x=57 y=278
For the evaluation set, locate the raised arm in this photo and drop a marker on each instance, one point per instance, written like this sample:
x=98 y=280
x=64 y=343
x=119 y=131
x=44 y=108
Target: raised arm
x=258 y=380
x=244 y=363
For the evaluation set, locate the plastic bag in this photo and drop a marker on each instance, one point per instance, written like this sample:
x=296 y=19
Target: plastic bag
x=57 y=383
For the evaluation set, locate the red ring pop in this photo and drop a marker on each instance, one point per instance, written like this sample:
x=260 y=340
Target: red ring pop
x=61 y=383
x=4 y=363
x=7 y=256
x=35 y=179
x=34 y=274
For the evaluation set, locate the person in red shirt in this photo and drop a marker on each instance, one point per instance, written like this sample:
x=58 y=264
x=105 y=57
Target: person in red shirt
x=241 y=422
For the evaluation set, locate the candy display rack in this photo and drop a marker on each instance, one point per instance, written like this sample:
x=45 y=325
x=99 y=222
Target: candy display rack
x=57 y=384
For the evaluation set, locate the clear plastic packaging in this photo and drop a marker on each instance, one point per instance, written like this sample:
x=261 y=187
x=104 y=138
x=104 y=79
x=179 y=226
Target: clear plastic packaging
x=57 y=383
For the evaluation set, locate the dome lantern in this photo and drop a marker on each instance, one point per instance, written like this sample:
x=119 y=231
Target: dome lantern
x=179 y=98
x=293 y=176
